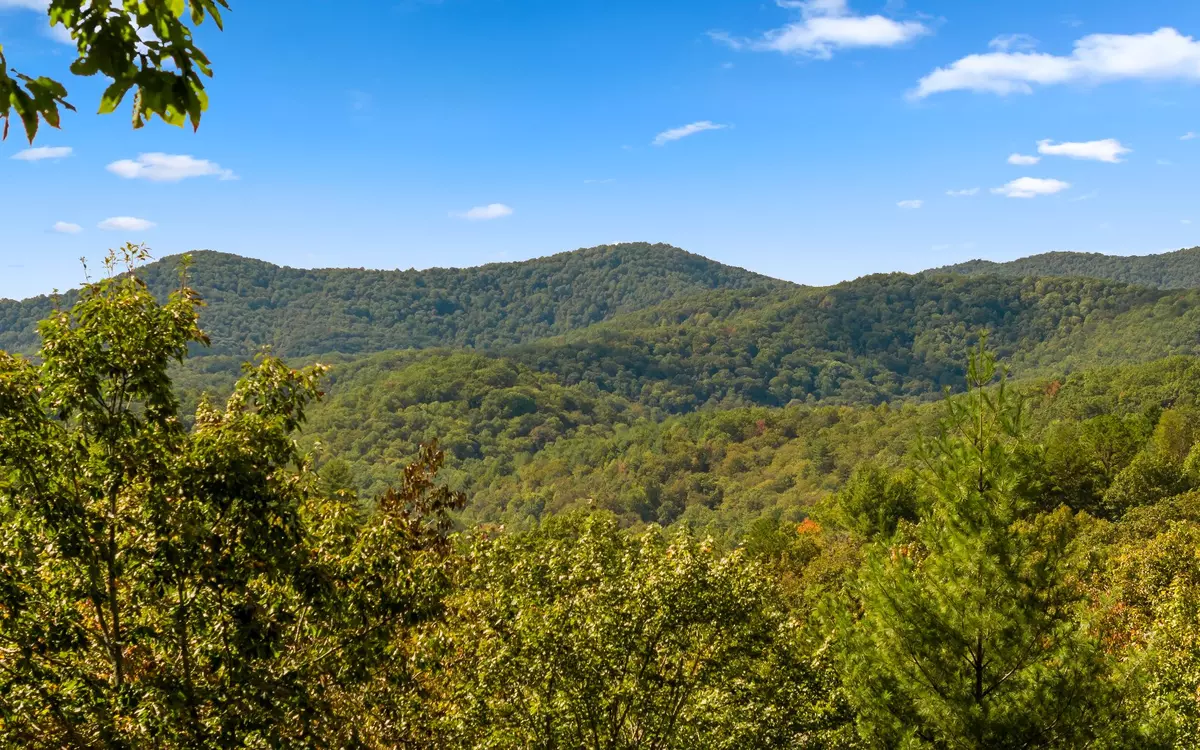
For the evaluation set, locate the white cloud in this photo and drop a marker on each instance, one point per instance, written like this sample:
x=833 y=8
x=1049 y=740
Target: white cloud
x=1185 y=221
x=1187 y=136
x=911 y=204
x=66 y=227
x=126 y=224
x=963 y=193
x=1109 y=150
x=1031 y=187
x=1011 y=42
x=43 y=152
x=1164 y=162
x=1164 y=54
x=26 y=4
x=158 y=167
x=1021 y=160
x=826 y=26
x=1086 y=196
x=484 y=213
x=675 y=134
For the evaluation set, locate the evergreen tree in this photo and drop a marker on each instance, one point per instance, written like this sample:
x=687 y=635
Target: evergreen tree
x=971 y=633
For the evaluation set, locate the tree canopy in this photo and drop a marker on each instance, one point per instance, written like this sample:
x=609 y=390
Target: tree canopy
x=141 y=47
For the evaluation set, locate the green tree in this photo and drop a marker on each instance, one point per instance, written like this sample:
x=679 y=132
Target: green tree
x=875 y=501
x=1152 y=599
x=578 y=634
x=337 y=477
x=1082 y=459
x=971 y=632
x=164 y=586
x=1150 y=477
x=143 y=46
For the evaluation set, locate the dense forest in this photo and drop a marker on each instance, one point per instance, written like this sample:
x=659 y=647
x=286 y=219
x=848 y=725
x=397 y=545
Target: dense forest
x=459 y=550
x=1174 y=270
x=249 y=303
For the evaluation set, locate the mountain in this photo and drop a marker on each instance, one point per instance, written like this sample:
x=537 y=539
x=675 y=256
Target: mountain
x=724 y=406
x=656 y=383
x=874 y=339
x=301 y=312
x=1175 y=270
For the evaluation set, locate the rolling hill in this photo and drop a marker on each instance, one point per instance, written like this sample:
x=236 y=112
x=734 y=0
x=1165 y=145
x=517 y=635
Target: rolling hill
x=301 y=312
x=1175 y=270
x=621 y=371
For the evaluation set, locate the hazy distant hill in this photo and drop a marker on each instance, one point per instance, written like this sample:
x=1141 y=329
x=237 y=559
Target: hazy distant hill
x=302 y=312
x=1174 y=270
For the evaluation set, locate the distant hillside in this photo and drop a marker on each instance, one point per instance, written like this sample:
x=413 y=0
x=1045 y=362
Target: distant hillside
x=875 y=339
x=1175 y=270
x=878 y=338
x=523 y=445
x=303 y=312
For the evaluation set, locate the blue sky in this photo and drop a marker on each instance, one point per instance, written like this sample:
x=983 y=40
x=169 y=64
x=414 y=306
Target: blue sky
x=815 y=141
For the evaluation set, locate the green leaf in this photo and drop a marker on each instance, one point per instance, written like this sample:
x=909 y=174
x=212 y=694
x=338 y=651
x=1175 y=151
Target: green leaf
x=113 y=95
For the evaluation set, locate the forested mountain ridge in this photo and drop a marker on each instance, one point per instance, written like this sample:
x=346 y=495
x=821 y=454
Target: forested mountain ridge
x=873 y=339
x=299 y=312
x=1174 y=270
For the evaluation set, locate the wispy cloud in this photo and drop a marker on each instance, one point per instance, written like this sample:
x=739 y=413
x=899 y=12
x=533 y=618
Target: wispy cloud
x=484 y=213
x=824 y=27
x=1097 y=58
x=1108 y=150
x=1086 y=196
x=915 y=203
x=66 y=227
x=1022 y=160
x=157 y=167
x=1187 y=136
x=26 y=4
x=964 y=193
x=42 y=153
x=675 y=134
x=1013 y=43
x=126 y=224
x=1031 y=187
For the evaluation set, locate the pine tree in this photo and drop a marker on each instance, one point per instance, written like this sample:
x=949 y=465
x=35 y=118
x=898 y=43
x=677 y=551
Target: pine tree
x=970 y=632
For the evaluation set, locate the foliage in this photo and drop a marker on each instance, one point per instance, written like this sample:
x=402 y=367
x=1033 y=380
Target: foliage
x=847 y=563
x=144 y=46
x=716 y=471
x=301 y=312
x=1151 y=587
x=1174 y=270
x=164 y=586
x=578 y=635
x=488 y=414
x=972 y=631
x=877 y=338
